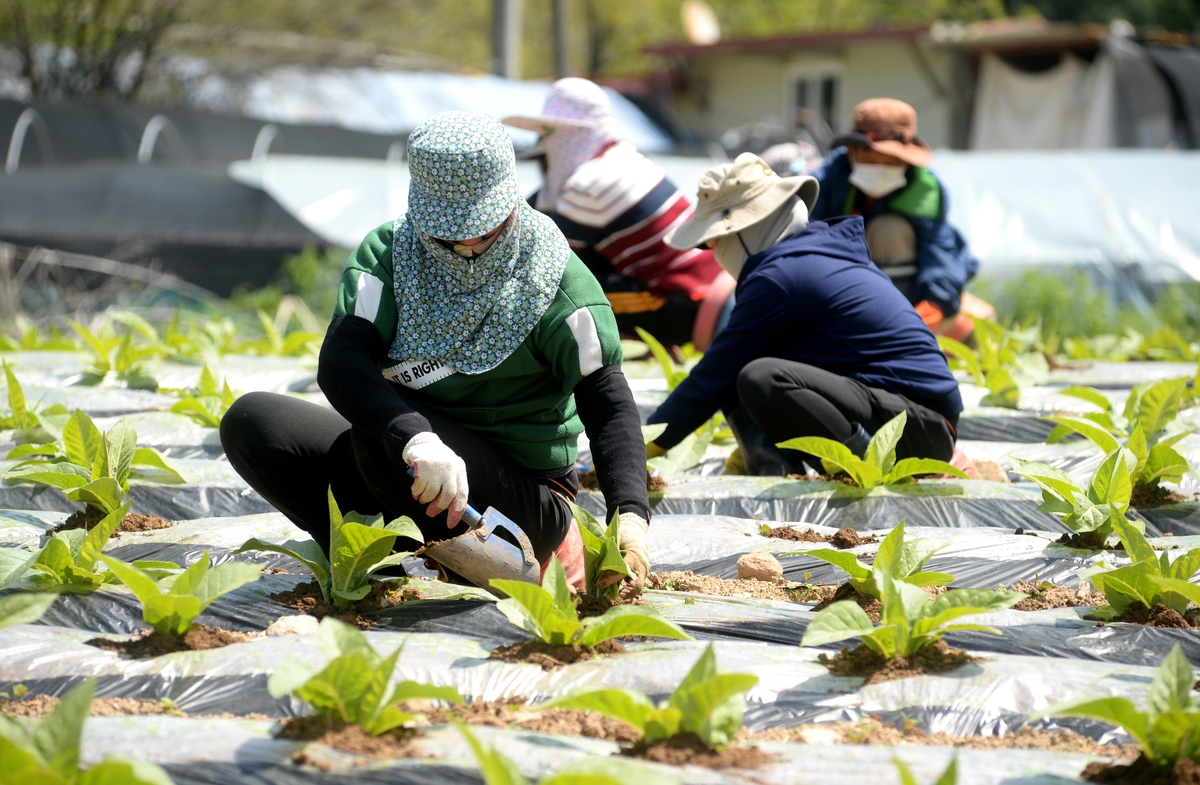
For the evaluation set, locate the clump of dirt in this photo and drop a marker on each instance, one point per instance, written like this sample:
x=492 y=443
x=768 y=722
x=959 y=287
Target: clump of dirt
x=589 y=605
x=1088 y=541
x=347 y=737
x=734 y=587
x=1158 y=616
x=655 y=482
x=1043 y=596
x=588 y=480
x=41 y=705
x=990 y=471
x=872 y=731
x=564 y=722
x=841 y=479
x=870 y=605
x=551 y=656
x=200 y=637
x=842 y=539
x=1147 y=497
x=875 y=668
x=686 y=749
x=307 y=598
x=1143 y=772
x=88 y=517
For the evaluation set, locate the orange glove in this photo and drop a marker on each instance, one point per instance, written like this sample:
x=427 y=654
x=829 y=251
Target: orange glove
x=930 y=313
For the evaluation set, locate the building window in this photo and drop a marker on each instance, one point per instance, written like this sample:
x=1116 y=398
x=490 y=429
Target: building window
x=815 y=101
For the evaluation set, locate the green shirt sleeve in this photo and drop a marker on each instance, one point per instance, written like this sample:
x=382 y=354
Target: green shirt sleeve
x=580 y=336
x=366 y=288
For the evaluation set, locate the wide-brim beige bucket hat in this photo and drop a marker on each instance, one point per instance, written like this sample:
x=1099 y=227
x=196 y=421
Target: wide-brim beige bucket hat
x=735 y=196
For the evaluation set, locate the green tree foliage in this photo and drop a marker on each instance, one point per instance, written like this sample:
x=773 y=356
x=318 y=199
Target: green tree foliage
x=1171 y=14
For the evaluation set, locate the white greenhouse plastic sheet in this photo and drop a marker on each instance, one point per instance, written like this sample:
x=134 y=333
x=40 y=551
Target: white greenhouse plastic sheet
x=174 y=435
x=233 y=752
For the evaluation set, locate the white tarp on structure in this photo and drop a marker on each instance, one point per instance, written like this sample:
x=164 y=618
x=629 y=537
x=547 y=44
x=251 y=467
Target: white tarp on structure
x=1071 y=106
x=367 y=99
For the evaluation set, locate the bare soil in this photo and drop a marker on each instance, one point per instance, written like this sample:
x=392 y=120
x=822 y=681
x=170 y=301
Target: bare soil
x=41 y=705
x=307 y=598
x=1158 y=616
x=842 y=539
x=88 y=517
x=655 y=482
x=870 y=605
x=588 y=481
x=687 y=749
x=1143 y=772
x=551 y=656
x=200 y=637
x=873 y=731
x=733 y=587
x=564 y=722
x=589 y=605
x=347 y=738
x=875 y=668
x=1147 y=497
x=1088 y=541
x=1043 y=596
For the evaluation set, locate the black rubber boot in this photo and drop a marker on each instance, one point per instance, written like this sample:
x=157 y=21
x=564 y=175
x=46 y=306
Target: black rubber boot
x=858 y=441
x=761 y=456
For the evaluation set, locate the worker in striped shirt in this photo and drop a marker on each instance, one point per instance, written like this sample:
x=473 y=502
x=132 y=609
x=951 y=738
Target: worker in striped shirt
x=615 y=206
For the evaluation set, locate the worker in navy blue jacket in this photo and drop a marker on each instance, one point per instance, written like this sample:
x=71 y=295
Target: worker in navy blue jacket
x=820 y=343
x=882 y=173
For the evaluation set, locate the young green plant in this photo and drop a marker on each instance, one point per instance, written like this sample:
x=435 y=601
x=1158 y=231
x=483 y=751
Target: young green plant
x=706 y=703
x=353 y=685
x=32 y=425
x=1089 y=513
x=67 y=562
x=909 y=621
x=948 y=777
x=548 y=612
x=95 y=468
x=601 y=552
x=206 y=404
x=359 y=547
x=1152 y=579
x=498 y=769
x=120 y=358
x=1169 y=731
x=172 y=609
x=24 y=607
x=903 y=561
x=879 y=466
x=48 y=752
x=671 y=371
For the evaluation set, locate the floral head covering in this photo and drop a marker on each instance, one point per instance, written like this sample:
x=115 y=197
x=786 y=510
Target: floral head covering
x=576 y=124
x=469 y=314
x=463 y=172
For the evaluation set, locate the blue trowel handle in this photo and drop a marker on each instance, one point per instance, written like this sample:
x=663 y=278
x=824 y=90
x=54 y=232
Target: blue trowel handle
x=470 y=516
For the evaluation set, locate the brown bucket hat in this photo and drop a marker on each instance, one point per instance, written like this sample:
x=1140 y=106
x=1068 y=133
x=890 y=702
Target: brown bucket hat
x=889 y=126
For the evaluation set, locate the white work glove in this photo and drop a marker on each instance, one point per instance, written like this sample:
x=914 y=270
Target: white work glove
x=439 y=476
x=632 y=541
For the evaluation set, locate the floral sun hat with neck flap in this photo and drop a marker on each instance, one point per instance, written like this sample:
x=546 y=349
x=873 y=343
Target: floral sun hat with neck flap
x=469 y=314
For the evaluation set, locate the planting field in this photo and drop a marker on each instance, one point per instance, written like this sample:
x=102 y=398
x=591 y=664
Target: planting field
x=796 y=630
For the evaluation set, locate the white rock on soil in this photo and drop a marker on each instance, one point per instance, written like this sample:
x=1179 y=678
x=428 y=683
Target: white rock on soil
x=819 y=736
x=293 y=625
x=759 y=567
x=991 y=471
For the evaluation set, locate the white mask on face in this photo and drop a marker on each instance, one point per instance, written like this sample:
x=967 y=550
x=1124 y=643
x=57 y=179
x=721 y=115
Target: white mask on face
x=878 y=180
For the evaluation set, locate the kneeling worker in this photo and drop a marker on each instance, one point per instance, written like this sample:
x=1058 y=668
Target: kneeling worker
x=820 y=343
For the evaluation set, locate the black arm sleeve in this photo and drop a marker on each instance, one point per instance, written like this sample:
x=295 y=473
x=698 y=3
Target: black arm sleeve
x=613 y=426
x=350 y=379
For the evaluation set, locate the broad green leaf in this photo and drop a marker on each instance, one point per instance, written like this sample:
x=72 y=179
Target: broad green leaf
x=1136 y=444
x=14 y=563
x=57 y=475
x=168 y=470
x=966 y=355
x=1134 y=541
x=652 y=432
x=911 y=467
x=1116 y=711
x=170 y=614
x=56 y=738
x=836 y=457
x=288 y=676
x=223 y=579
x=929 y=578
x=713 y=709
x=404 y=526
x=1048 y=478
x=16 y=396
x=54 y=558
x=29 y=449
x=1174 y=735
x=912 y=557
x=307 y=552
x=120 y=444
x=979 y=600
x=841 y=559
x=1124 y=585
x=881 y=451
x=703 y=669
x=1111 y=483
x=105 y=494
x=587 y=521
x=838 y=622
x=1157 y=406
x=1092 y=396
x=359 y=547
x=112 y=771
x=1087 y=429
x=1163 y=464
x=627 y=706
x=411 y=690
x=532 y=609
x=611 y=770
x=94 y=542
x=1172 y=683
x=24 y=607
x=143 y=587
x=199 y=411
x=495 y=768
x=81 y=439
x=1188 y=590
x=627 y=620
x=554 y=582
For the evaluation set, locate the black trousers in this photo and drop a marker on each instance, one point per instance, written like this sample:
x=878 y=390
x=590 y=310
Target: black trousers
x=292 y=451
x=788 y=399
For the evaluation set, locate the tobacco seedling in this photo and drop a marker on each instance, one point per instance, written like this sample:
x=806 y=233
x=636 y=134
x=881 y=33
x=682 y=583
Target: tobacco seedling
x=49 y=751
x=1090 y=511
x=359 y=546
x=32 y=425
x=186 y=595
x=120 y=358
x=909 y=621
x=903 y=561
x=706 y=703
x=1151 y=579
x=23 y=608
x=207 y=404
x=95 y=468
x=673 y=373
x=498 y=769
x=1168 y=732
x=1143 y=423
x=353 y=685
x=879 y=466
x=67 y=562
x=685 y=455
x=948 y=777
x=548 y=612
x=601 y=551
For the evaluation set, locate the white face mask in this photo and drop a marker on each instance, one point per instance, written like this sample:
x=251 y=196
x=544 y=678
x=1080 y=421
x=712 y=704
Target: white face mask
x=878 y=180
